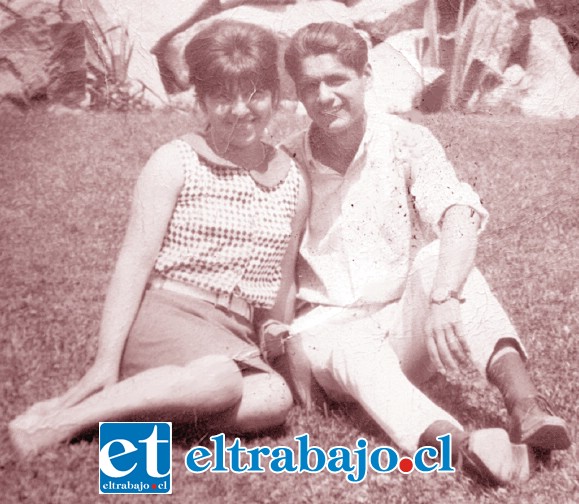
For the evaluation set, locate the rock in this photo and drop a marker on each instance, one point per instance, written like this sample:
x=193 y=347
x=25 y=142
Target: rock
x=10 y=85
x=396 y=85
x=552 y=86
x=547 y=86
x=381 y=19
x=412 y=45
x=43 y=60
x=283 y=20
x=26 y=49
x=68 y=72
x=507 y=94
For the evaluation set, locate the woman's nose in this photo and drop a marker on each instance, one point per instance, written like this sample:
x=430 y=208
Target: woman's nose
x=240 y=107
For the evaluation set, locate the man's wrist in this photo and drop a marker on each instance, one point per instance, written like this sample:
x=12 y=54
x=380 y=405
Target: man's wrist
x=442 y=295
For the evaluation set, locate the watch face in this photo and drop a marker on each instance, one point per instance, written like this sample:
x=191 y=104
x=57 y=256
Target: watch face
x=440 y=295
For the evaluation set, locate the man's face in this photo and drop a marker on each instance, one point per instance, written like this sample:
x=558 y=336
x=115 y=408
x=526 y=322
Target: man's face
x=332 y=93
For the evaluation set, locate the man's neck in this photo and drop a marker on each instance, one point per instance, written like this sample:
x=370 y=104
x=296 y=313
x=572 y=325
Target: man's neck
x=337 y=151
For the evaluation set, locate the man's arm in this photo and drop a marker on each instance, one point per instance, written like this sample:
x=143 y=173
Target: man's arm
x=458 y=243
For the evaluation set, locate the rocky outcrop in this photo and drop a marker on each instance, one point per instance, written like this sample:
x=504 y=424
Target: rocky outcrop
x=382 y=19
x=39 y=59
x=547 y=85
x=397 y=85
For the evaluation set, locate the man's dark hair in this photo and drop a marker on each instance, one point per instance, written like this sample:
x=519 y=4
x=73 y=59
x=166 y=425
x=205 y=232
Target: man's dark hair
x=326 y=38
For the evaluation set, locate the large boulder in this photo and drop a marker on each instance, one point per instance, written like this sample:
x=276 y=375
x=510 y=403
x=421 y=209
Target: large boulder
x=384 y=18
x=553 y=86
x=25 y=49
x=396 y=84
x=547 y=86
x=284 y=21
x=42 y=60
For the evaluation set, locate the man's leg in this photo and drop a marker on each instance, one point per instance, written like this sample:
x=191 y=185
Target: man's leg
x=350 y=355
x=495 y=347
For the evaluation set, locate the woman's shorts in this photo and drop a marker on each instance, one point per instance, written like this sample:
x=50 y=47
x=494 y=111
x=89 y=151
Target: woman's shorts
x=175 y=329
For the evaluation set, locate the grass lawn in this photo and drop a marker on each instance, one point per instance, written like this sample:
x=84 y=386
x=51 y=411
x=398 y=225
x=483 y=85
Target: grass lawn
x=65 y=186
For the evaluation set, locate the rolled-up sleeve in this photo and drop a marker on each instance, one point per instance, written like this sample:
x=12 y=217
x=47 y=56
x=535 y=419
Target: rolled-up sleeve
x=434 y=186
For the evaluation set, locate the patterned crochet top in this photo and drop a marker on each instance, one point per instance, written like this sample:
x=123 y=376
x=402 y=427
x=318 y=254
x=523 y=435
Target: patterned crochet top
x=228 y=233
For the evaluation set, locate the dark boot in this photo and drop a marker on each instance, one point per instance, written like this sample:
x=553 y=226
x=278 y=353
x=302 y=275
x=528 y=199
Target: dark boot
x=532 y=420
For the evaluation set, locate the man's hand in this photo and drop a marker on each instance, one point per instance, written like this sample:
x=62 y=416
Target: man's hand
x=446 y=342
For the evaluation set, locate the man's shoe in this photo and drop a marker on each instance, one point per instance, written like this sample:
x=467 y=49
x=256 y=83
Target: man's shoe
x=534 y=423
x=490 y=455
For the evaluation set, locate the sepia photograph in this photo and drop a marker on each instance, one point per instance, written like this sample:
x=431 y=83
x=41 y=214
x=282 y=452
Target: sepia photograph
x=300 y=251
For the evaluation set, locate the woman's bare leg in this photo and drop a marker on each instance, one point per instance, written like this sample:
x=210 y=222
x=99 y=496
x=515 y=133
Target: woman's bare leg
x=204 y=387
x=265 y=403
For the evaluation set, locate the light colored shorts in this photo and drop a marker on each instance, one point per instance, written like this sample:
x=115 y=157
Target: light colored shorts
x=175 y=329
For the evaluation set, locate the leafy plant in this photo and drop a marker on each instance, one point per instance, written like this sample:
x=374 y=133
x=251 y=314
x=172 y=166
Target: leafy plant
x=456 y=71
x=466 y=74
x=108 y=83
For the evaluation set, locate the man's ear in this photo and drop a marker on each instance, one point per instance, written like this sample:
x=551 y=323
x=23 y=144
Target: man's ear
x=368 y=75
x=201 y=104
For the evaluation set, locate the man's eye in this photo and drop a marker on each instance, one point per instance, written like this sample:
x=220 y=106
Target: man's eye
x=308 y=87
x=336 y=81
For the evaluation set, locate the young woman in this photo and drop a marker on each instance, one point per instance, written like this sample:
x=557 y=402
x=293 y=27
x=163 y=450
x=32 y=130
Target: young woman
x=206 y=263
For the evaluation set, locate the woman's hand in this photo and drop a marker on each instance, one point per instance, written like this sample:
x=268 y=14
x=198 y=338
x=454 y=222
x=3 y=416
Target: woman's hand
x=99 y=376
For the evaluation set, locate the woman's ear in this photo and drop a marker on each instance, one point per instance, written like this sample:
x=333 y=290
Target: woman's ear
x=275 y=99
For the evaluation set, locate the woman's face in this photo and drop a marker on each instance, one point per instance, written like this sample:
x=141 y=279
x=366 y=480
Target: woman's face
x=237 y=117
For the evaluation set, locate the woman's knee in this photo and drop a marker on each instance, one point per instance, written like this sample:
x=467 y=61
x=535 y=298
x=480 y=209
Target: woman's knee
x=222 y=378
x=271 y=404
x=281 y=400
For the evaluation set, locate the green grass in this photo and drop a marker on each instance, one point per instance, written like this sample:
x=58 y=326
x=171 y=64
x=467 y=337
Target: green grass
x=65 y=185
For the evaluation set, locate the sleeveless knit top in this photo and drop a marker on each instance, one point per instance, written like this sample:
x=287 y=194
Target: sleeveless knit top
x=228 y=233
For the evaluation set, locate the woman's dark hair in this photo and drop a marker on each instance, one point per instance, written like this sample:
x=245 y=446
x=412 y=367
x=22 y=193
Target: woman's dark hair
x=229 y=55
x=326 y=38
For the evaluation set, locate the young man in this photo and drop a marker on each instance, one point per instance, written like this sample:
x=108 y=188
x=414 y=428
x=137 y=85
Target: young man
x=379 y=310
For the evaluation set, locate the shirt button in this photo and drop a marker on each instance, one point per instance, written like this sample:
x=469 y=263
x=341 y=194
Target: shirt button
x=237 y=290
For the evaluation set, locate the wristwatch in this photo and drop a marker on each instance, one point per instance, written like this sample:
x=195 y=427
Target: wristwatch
x=442 y=295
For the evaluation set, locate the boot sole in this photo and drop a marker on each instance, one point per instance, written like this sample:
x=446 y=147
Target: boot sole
x=491 y=455
x=548 y=435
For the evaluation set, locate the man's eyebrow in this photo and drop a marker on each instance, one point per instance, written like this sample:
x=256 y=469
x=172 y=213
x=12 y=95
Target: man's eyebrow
x=310 y=80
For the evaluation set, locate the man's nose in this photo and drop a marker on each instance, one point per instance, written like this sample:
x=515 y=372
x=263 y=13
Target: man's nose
x=325 y=94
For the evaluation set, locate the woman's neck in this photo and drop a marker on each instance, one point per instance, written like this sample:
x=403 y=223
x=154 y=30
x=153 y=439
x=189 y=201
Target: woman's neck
x=251 y=157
